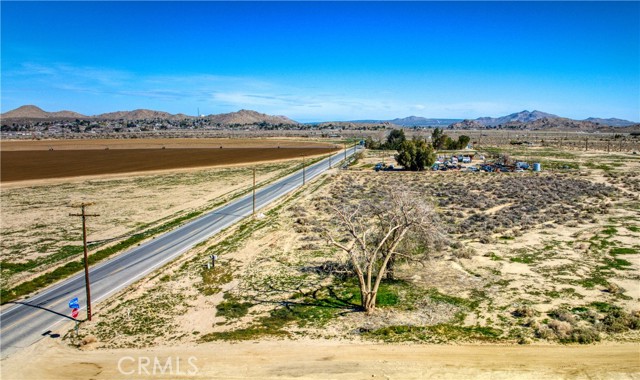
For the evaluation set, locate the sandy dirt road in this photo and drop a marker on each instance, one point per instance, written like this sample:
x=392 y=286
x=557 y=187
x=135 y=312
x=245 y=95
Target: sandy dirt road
x=309 y=359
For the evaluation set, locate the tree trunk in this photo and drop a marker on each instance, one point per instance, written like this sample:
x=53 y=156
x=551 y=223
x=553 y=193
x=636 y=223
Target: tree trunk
x=390 y=267
x=368 y=301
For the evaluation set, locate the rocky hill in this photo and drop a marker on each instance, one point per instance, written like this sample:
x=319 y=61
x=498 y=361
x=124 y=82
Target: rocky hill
x=554 y=123
x=248 y=117
x=537 y=120
x=613 y=122
x=467 y=124
x=33 y=112
x=547 y=124
x=522 y=117
x=139 y=114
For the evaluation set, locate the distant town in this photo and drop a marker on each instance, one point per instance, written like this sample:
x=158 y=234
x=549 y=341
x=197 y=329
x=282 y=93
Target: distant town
x=32 y=122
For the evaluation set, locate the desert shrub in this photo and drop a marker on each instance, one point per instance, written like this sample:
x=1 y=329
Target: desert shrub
x=614 y=289
x=561 y=329
x=544 y=332
x=486 y=239
x=617 y=320
x=88 y=340
x=464 y=253
x=523 y=312
x=562 y=315
x=582 y=335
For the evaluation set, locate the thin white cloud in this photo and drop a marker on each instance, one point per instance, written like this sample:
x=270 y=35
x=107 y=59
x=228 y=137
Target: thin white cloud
x=117 y=89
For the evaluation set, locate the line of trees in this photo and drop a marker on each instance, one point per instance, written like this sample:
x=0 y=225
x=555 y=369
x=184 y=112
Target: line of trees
x=417 y=154
x=440 y=140
x=393 y=142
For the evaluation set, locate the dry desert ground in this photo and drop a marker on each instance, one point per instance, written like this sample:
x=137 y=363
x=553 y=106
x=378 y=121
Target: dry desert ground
x=538 y=279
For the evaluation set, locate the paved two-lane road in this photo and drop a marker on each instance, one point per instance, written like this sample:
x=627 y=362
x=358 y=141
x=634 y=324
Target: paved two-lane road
x=23 y=324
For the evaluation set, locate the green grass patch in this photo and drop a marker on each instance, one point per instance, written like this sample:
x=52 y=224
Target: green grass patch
x=308 y=315
x=623 y=251
x=270 y=325
x=232 y=308
x=603 y=307
x=633 y=228
x=615 y=263
x=602 y=166
x=524 y=257
x=494 y=257
x=63 y=253
x=436 y=296
x=440 y=333
x=315 y=308
x=347 y=293
x=214 y=278
x=388 y=293
x=596 y=278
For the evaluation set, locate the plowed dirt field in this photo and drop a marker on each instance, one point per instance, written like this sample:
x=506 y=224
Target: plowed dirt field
x=22 y=160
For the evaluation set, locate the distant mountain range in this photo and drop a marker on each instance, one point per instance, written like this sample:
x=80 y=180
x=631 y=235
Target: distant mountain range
x=483 y=122
x=527 y=117
x=613 y=122
x=521 y=120
x=423 y=122
x=242 y=117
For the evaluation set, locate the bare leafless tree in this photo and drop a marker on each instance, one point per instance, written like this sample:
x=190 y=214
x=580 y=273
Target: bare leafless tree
x=373 y=233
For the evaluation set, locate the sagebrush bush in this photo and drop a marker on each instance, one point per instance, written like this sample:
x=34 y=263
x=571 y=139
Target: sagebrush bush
x=561 y=329
x=524 y=312
x=562 y=315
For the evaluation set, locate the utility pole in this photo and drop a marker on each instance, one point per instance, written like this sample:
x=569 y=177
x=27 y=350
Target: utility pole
x=254 y=191
x=586 y=144
x=345 y=151
x=86 y=259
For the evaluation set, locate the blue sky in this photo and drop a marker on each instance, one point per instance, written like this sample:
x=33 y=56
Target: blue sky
x=317 y=61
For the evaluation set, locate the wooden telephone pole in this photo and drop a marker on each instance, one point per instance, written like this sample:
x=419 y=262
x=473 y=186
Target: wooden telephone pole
x=254 y=191
x=84 y=216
